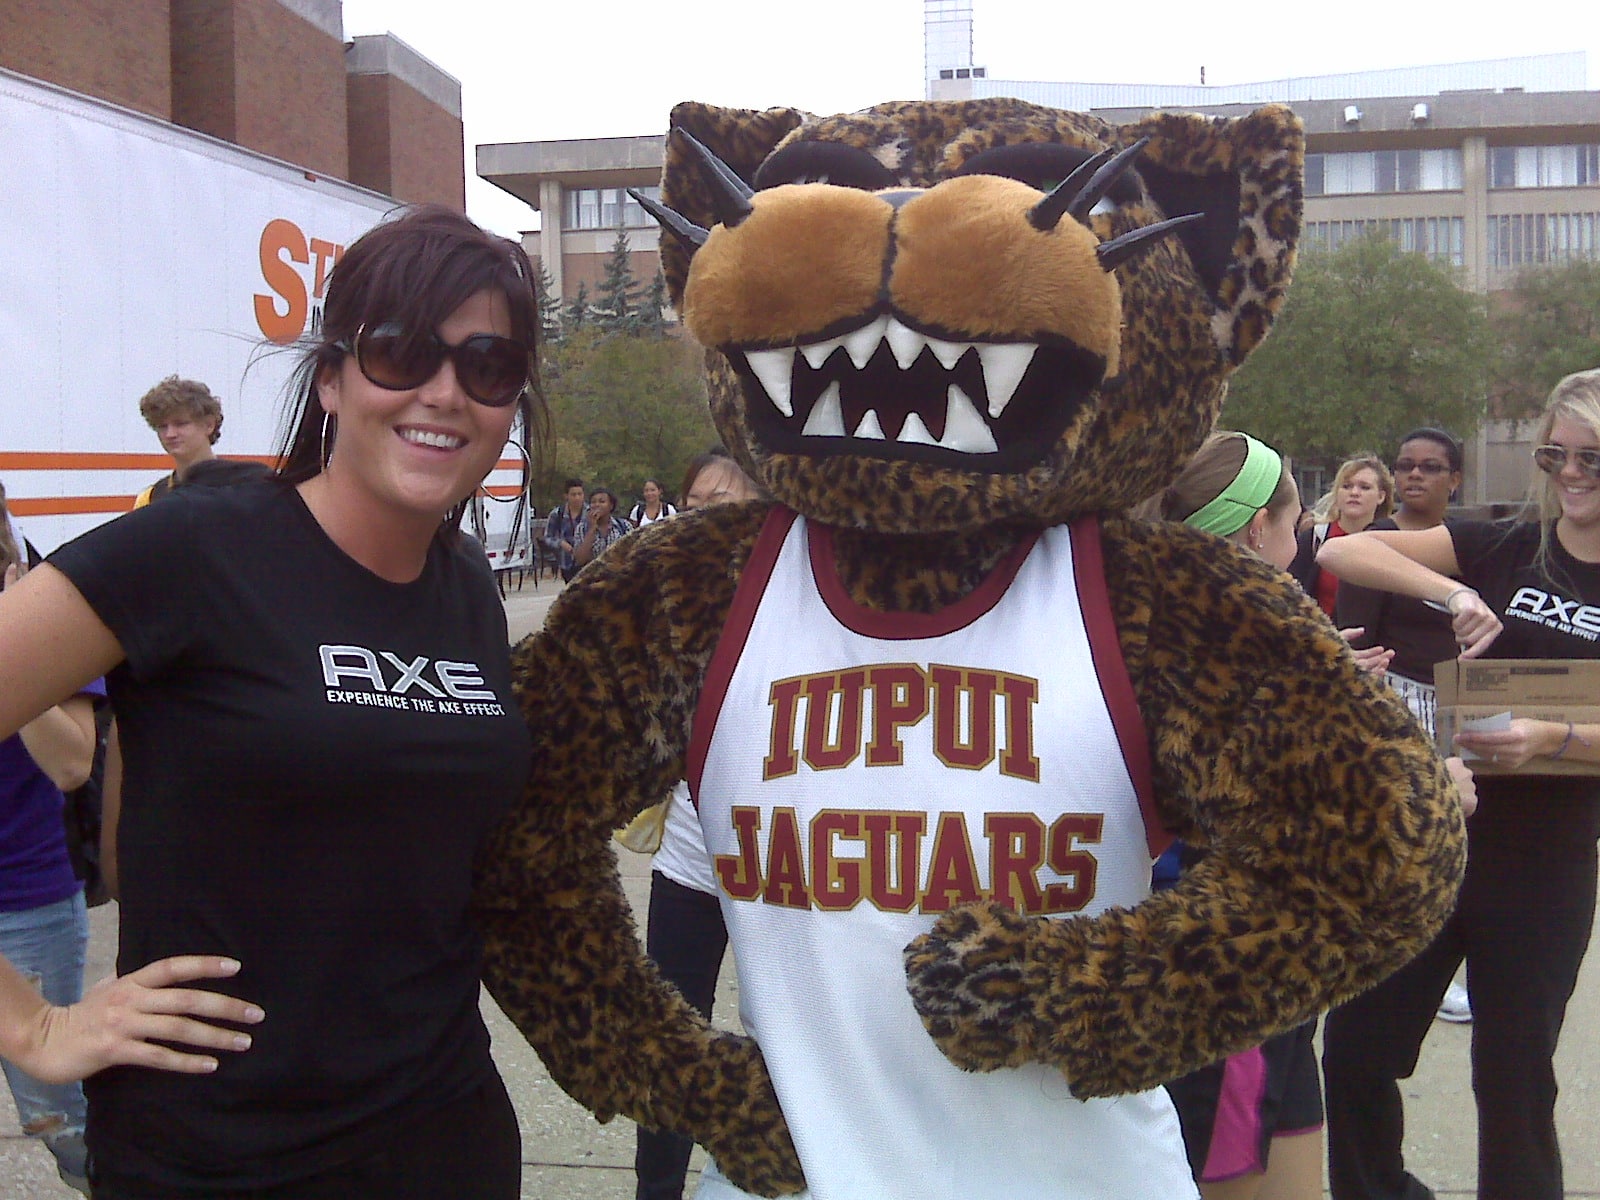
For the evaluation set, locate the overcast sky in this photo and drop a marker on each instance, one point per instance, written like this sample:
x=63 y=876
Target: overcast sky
x=612 y=68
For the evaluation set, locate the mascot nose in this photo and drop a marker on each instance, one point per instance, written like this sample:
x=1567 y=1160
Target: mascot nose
x=900 y=197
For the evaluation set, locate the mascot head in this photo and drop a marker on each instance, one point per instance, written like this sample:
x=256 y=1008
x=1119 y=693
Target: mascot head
x=933 y=317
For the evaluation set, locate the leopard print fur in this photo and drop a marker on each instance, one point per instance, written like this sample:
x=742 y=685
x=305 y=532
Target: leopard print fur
x=1335 y=840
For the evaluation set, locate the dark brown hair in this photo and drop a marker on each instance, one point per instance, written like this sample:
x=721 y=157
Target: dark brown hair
x=414 y=270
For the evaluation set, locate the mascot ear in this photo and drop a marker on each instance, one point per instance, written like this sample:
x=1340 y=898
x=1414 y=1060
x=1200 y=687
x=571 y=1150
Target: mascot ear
x=741 y=137
x=1244 y=177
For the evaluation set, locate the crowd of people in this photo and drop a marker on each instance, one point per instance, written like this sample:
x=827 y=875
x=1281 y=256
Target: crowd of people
x=587 y=524
x=315 y=1032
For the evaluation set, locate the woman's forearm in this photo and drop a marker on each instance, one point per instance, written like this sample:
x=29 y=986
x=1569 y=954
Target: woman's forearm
x=584 y=550
x=1368 y=560
x=1416 y=563
x=60 y=741
x=20 y=1006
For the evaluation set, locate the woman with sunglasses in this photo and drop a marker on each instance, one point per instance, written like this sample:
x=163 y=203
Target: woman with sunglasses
x=1525 y=915
x=317 y=732
x=1427 y=471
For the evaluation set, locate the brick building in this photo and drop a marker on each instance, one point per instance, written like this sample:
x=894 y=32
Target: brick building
x=274 y=76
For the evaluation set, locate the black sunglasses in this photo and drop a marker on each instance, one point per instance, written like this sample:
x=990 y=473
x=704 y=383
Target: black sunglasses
x=493 y=370
x=1428 y=467
x=1551 y=459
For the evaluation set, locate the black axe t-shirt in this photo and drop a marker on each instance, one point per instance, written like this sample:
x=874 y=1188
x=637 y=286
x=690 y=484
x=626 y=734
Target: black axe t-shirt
x=312 y=757
x=1554 y=616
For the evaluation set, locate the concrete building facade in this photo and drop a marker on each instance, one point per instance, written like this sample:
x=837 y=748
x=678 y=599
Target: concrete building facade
x=580 y=188
x=274 y=76
x=1488 y=177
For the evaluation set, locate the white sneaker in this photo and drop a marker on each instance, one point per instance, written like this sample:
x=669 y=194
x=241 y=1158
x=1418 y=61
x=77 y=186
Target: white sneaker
x=1456 y=1007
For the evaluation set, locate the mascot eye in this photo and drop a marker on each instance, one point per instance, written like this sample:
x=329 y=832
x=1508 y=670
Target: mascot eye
x=824 y=162
x=1043 y=165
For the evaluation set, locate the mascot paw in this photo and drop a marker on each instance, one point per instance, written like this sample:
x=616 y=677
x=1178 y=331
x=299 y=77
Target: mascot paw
x=758 y=1157
x=970 y=981
x=750 y=1140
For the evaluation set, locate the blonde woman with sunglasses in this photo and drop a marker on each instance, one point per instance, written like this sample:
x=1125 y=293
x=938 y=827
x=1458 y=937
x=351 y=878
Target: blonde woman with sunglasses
x=312 y=686
x=1524 y=590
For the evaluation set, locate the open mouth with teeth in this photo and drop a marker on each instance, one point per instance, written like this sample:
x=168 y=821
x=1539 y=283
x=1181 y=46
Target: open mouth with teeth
x=887 y=390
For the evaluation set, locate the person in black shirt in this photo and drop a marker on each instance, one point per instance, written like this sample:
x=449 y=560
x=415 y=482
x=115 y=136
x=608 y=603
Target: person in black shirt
x=1427 y=471
x=1523 y=923
x=312 y=682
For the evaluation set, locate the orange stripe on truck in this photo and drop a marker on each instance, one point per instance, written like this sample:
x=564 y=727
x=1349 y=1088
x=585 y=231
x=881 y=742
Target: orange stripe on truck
x=61 y=506
x=78 y=460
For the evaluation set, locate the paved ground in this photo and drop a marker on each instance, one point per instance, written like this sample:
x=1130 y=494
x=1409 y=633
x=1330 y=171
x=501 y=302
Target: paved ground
x=567 y=1156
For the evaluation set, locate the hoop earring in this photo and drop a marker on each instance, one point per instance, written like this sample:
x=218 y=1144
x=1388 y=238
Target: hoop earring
x=323 y=457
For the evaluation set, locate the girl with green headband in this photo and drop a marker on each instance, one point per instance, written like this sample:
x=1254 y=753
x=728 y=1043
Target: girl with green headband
x=1252 y=1124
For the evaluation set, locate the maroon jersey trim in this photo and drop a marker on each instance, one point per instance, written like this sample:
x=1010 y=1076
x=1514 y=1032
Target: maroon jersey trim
x=1088 y=568
x=730 y=645
x=900 y=627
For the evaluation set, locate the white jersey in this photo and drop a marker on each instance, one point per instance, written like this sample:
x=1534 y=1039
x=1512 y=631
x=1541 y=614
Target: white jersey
x=857 y=774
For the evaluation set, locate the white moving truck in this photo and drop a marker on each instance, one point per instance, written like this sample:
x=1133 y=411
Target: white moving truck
x=132 y=249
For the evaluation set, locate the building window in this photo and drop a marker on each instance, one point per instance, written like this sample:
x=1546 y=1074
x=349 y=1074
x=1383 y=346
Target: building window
x=1366 y=172
x=1543 y=166
x=633 y=215
x=1442 y=239
x=602 y=208
x=1534 y=239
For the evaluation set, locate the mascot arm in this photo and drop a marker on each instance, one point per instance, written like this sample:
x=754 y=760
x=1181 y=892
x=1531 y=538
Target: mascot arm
x=1334 y=838
x=606 y=688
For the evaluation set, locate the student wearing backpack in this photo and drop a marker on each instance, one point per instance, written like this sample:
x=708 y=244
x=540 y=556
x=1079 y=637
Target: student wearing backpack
x=652 y=508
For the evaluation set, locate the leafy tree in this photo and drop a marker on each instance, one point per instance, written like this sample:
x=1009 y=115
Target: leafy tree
x=618 y=299
x=1372 y=342
x=626 y=408
x=1550 y=327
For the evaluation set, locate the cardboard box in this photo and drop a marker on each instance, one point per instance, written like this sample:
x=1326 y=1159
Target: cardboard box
x=1545 y=689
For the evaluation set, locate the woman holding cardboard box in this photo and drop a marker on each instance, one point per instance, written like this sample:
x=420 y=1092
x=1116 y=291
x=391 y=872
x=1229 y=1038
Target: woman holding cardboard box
x=1524 y=590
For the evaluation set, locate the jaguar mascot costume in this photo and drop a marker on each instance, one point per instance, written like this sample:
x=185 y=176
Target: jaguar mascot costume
x=940 y=701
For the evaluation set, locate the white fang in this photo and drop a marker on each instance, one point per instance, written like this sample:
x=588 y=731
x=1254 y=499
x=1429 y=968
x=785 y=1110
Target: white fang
x=861 y=344
x=906 y=343
x=948 y=353
x=817 y=352
x=915 y=431
x=964 y=429
x=1003 y=368
x=827 y=417
x=870 y=426
x=775 y=370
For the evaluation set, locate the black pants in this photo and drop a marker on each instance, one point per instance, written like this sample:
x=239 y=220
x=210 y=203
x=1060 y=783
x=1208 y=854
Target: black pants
x=1523 y=924
x=686 y=937
x=468 y=1150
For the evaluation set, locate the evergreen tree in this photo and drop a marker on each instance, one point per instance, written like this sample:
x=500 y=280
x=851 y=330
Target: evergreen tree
x=578 y=310
x=618 y=298
x=549 y=310
x=653 y=309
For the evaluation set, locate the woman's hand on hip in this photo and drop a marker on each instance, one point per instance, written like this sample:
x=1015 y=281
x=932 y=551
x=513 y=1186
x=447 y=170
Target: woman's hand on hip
x=119 y=1020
